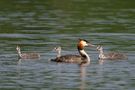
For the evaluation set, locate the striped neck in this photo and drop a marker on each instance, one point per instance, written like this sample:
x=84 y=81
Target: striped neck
x=19 y=53
x=101 y=54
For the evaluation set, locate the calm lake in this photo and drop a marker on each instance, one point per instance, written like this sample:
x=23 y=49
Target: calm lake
x=40 y=25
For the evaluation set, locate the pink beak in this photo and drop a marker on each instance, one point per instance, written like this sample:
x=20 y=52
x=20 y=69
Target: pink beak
x=91 y=45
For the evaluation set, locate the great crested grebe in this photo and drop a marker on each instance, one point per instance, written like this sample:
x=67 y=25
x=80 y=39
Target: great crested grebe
x=111 y=55
x=58 y=50
x=82 y=58
x=26 y=55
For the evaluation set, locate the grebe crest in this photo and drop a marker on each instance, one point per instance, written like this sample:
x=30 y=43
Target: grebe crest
x=111 y=55
x=82 y=58
x=27 y=55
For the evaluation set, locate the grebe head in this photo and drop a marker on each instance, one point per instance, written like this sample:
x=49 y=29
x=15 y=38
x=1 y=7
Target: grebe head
x=82 y=43
x=99 y=48
x=57 y=49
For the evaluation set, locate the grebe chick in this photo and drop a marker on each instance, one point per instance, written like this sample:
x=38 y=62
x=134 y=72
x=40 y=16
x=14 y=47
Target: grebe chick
x=82 y=58
x=58 y=50
x=26 y=55
x=111 y=55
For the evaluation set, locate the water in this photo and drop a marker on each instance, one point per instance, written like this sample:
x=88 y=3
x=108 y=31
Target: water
x=39 y=26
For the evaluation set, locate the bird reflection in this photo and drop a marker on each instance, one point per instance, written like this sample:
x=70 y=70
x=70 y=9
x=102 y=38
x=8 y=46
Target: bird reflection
x=83 y=75
x=18 y=67
x=101 y=61
x=19 y=62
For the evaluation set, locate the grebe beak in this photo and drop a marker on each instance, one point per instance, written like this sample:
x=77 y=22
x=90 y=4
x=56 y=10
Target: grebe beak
x=91 y=45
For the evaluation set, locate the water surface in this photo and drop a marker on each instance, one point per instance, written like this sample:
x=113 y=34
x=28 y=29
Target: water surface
x=40 y=26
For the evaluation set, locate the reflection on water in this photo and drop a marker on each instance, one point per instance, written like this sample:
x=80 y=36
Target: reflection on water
x=18 y=68
x=83 y=77
x=101 y=61
x=40 y=26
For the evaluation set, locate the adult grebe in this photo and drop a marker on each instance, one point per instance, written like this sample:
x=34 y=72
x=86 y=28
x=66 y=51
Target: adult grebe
x=111 y=55
x=58 y=50
x=26 y=55
x=82 y=58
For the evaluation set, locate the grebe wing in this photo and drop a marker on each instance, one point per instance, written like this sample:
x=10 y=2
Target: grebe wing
x=69 y=59
x=30 y=55
x=116 y=55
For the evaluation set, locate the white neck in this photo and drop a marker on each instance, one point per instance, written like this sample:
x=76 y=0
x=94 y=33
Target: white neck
x=59 y=53
x=83 y=53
